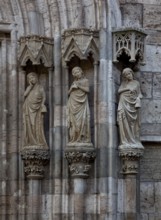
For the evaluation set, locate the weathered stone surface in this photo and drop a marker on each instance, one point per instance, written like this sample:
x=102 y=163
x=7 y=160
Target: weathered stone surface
x=152 y=113
x=146 y=84
x=151 y=17
x=52 y=197
x=143 y=217
x=147 y=197
x=132 y=14
x=157 y=86
x=154 y=37
x=150 y=164
x=148 y=129
x=149 y=2
x=153 y=57
x=157 y=186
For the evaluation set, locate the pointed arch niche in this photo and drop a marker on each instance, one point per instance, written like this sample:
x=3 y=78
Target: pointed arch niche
x=80 y=47
x=36 y=55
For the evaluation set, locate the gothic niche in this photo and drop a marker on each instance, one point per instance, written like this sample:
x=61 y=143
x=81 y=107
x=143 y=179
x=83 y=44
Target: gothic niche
x=80 y=59
x=35 y=60
x=128 y=53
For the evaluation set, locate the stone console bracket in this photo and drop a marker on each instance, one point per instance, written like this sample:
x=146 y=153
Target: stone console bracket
x=130 y=158
x=80 y=160
x=34 y=162
x=130 y=41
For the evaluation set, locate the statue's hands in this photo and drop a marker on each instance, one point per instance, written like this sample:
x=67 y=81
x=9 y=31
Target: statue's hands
x=138 y=102
x=133 y=92
x=30 y=85
x=74 y=86
x=43 y=108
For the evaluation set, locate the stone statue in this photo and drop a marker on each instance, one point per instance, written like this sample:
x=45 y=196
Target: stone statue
x=78 y=108
x=33 y=113
x=128 y=111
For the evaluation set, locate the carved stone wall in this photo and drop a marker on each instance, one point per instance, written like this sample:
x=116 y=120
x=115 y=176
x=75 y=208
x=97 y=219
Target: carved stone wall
x=58 y=196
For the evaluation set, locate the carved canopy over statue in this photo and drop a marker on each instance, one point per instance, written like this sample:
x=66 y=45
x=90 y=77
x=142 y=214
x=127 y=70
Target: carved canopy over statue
x=33 y=112
x=128 y=111
x=78 y=108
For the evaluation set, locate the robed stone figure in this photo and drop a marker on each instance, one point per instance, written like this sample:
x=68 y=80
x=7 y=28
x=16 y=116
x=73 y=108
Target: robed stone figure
x=128 y=111
x=33 y=113
x=78 y=108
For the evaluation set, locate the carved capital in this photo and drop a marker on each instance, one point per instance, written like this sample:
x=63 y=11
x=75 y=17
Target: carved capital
x=80 y=158
x=80 y=42
x=130 y=41
x=34 y=162
x=130 y=159
x=37 y=49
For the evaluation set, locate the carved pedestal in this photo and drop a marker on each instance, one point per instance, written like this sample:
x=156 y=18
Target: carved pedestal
x=34 y=161
x=80 y=156
x=130 y=158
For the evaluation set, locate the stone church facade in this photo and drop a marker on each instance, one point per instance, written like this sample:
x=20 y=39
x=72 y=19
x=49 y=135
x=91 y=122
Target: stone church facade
x=51 y=51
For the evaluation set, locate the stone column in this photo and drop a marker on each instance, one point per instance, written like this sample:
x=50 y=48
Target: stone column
x=4 y=126
x=51 y=85
x=96 y=103
x=80 y=159
x=130 y=167
x=33 y=199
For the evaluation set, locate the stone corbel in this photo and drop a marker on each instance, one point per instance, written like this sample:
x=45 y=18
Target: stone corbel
x=130 y=159
x=80 y=43
x=37 y=49
x=130 y=41
x=80 y=157
x=34 y=162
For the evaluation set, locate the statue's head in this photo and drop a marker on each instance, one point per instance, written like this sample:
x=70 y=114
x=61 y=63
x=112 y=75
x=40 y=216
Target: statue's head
x=32 y=78
x=77 y=72
x=127 y=74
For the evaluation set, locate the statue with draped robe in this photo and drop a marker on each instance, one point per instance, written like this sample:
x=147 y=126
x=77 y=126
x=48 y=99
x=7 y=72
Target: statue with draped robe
x=33 y=113
x=78 y=108
x=128 y=111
